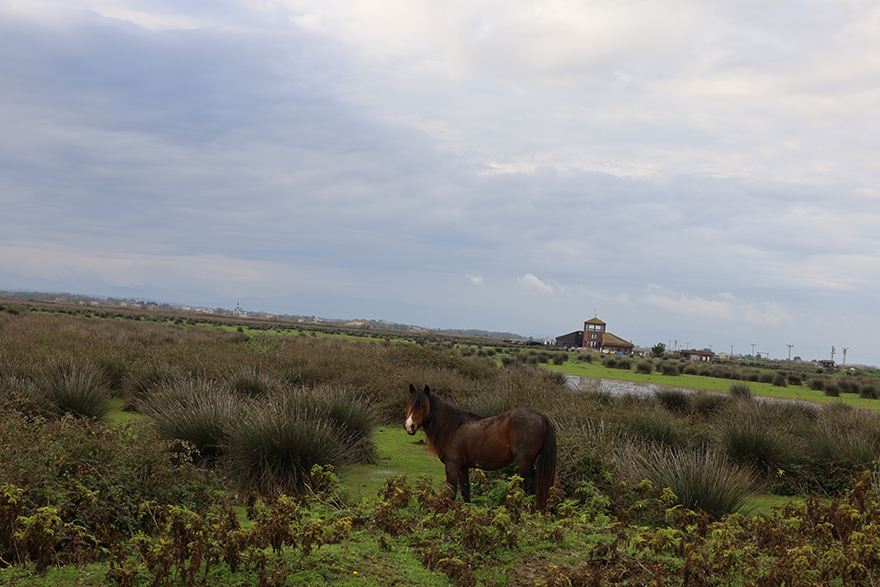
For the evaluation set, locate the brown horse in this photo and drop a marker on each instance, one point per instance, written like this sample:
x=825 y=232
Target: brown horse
x=464 y=440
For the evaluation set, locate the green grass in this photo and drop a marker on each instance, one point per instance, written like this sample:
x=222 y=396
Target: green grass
x=762 y=505
x=796 y=392
x=398 y=454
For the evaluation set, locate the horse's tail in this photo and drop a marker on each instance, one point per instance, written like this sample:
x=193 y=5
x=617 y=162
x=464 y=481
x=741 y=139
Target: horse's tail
x=545 y=471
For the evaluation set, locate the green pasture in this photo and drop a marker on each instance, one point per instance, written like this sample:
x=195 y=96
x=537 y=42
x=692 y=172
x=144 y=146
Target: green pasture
x=697 y=382
x=398 y=454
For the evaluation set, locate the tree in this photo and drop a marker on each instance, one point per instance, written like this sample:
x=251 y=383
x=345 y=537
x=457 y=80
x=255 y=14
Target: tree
x=658 y=349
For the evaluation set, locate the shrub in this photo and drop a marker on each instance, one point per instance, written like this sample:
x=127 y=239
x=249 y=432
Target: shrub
x=624 y=363
x=196 y=411
x=831 y=389
x=832 y=443
x=868 y=391
x=77 y=388
x=794 y=379
x=657 y=427
x=740 y=390
x=816 y=384
x=351 y=414
x=690 y=369
x=708 y=404
x=140 y=384
x=780 y=379
x=272 y=450
x=674 y=399
x=700 y=480
x=20 y=394
x=644 y=367
x=748 y=440
x=95 y=478
x=669 y=368
x=251 y=381
x=848 y=385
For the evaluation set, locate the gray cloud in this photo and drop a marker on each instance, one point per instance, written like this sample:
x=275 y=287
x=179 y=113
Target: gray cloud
x=674 y=166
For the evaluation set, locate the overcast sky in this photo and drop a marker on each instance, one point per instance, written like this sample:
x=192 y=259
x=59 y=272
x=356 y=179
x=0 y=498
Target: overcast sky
x=691 y=170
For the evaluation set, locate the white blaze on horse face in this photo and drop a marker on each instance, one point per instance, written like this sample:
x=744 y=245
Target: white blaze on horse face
x=410 y=425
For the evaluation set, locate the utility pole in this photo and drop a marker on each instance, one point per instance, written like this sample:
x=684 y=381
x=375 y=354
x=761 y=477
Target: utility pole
x=687 y=346
x=731 y=352
x=846 y=348
x=789 y=351
x=832 y=353
x=676 y=345
x=753 y=353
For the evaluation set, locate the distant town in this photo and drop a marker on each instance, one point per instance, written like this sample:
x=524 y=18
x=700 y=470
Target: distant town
x=238 y=311
x=593 y=336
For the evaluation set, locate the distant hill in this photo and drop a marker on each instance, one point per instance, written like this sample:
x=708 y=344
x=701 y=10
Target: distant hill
x=89 y=300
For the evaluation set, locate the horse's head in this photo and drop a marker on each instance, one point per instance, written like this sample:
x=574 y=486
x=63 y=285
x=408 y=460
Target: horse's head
x=418 y=408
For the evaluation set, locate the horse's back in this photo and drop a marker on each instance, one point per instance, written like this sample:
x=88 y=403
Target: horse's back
x=495 y=441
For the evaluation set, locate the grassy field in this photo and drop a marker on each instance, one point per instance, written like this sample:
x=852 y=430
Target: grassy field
x=89 y=495
x=696 y=382
x=398 y=454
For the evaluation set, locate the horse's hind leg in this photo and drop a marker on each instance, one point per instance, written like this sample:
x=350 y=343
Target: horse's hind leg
x=527 y=472
x=464 y=480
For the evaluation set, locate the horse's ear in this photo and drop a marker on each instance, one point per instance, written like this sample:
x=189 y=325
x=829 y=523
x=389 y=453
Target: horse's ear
x=427 y=390
x=411 y=388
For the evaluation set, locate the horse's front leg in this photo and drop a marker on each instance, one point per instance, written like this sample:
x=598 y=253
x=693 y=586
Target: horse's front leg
x=452 y=476
x=464 y=480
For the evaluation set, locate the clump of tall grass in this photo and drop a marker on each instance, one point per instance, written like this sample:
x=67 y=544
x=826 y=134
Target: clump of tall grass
x=740 y=390
x=708 y=404
x=274 y=445
x=669 y=368
x=752 y=442
x=700 y=480
x=78 y=388
x=831 y=389
x=674 y=399
x=197 y=411
x=140 y=384
x=780 y=379
x=251 y=381
x=868 y=391
x=657 y=428
x=842 y=445
x=645 y=367
x=23 y=395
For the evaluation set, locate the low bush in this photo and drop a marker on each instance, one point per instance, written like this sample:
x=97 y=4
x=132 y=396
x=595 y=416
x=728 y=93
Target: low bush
x=78 y=388
x=669 y=368
x=93 y=479
x=645 y=367
x=868 y=391
x=780 y=379
x=674 y=399
x=704 y=480
x=740 y=390
x=751 y=442
x=657 y=428
x=196 y=411
x=708 y=404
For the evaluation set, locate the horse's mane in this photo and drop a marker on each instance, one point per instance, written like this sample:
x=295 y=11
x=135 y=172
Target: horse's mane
x=446 y=420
